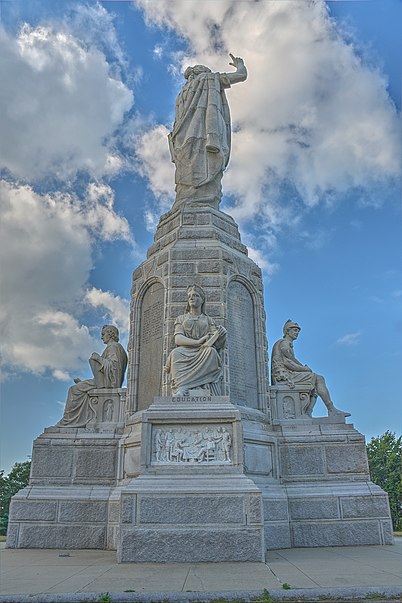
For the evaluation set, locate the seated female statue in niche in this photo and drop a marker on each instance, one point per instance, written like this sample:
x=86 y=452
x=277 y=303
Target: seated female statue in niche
x=195 y=362
x=108 y=370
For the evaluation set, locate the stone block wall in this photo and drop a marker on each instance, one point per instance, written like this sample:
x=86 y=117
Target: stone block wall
x=315 y=450
x=202 y=246
x=73 y=456
x=185 y=527
x=67 y=518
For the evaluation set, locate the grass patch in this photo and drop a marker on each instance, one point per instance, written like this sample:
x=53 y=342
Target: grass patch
x=2 y=538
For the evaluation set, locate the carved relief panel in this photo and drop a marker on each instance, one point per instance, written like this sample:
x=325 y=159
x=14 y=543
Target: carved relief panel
x=198 y=444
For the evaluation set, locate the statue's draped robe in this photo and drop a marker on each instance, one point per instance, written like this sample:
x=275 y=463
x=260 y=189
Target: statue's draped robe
x=195 y=366
x=281 y=372
x=200 y=140
x=108 y=373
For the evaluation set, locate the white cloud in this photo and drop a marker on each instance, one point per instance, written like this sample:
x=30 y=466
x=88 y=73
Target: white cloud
x=45 y=247
x=60 y=105
x=63 y=114
x=61 y=375
x=311 y=116
x=155 y=163
x=115 y=308
x=263 y=262
x=349 y=338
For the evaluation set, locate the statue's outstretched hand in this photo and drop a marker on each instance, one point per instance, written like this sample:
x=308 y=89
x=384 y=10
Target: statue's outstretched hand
x=236 y=61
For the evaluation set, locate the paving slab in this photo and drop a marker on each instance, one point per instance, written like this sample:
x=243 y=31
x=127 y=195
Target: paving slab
x=37 y=575
x=230 y=576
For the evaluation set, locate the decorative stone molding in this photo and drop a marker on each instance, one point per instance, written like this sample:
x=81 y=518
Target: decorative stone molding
x=292 y=403
x=108 y=408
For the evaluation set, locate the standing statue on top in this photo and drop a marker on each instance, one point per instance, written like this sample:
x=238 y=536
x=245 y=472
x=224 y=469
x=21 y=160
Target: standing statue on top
x=286 y=370
x=201 y=137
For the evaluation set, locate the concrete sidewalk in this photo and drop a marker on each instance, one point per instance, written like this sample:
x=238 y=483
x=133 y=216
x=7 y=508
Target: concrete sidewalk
x=55 y=575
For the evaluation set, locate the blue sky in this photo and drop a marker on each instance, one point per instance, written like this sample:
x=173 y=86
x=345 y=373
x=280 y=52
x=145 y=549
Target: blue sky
x=86 y=100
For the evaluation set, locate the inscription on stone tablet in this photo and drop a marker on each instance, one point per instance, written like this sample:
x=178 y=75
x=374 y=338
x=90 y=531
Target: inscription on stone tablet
x=151 y=345
x=242 y=353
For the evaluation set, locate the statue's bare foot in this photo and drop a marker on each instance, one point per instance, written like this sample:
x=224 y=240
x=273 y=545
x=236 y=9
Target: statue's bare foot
x=335 y=411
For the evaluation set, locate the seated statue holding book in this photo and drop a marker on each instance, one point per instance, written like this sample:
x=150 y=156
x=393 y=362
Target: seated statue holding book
x=195 y=362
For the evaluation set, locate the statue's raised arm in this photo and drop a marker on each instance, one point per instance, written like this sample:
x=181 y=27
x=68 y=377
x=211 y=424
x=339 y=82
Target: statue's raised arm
x=240 y=75
x=200 y=140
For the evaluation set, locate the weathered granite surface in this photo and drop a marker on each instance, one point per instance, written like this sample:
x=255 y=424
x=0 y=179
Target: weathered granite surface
x=194 y=476
x=198 y=245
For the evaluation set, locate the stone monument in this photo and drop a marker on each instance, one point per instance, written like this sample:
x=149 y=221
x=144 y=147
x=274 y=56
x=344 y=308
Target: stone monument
x=200 y=458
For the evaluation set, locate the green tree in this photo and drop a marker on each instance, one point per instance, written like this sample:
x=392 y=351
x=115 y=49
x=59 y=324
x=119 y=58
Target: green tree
x=385 y=461
x=9 y=485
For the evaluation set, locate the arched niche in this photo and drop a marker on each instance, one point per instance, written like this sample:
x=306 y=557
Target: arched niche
x=150 y=344
x=243 y=383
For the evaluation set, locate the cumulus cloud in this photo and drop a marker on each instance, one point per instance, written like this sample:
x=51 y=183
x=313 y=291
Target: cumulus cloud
x=349 y=338
x=60 y=106
x=311 y=119
x=155 y=164
x=64 y=110
x=115 y=309
x=46 y=243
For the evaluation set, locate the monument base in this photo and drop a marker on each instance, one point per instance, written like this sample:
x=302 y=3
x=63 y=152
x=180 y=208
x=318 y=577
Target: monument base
x=198 y=479
x=73 y=476
x=171 y=518
x=191 y=501
x=327 y=497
